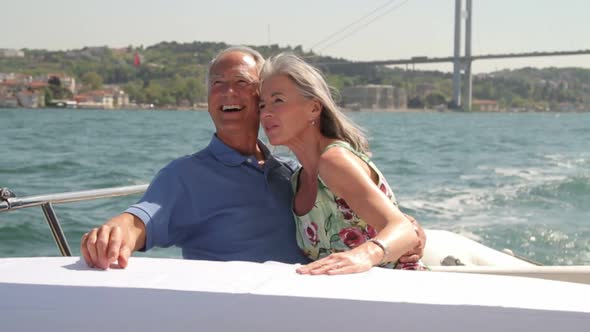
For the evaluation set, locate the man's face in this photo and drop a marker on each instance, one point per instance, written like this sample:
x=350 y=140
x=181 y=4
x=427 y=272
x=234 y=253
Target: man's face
x=233 y=95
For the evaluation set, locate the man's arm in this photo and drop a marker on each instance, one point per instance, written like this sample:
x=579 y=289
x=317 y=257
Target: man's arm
x=415 y=254
x=113 y=242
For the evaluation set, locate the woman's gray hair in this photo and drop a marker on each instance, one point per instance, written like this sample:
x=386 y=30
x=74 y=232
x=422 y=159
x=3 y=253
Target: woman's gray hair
x=312 y=85
x=258 y=58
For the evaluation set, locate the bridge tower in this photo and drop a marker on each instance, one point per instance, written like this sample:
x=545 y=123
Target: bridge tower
x=462 y=101
x=456 y=103
x=468 y=83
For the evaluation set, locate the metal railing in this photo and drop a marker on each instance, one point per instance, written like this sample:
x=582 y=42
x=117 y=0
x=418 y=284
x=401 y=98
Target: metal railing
x=9 y=202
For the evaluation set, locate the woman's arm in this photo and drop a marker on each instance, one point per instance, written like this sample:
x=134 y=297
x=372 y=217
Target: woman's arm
x=350 y=178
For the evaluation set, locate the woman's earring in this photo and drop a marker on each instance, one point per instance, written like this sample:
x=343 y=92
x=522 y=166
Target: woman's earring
x=313 y=122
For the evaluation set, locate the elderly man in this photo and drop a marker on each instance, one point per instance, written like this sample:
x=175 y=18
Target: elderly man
x=229 y=201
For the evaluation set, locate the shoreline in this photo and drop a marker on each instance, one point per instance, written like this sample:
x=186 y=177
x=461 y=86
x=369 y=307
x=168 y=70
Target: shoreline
x=347 y=110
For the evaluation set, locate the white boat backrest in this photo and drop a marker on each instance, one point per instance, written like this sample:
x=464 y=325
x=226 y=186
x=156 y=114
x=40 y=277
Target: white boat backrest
x=441 y=245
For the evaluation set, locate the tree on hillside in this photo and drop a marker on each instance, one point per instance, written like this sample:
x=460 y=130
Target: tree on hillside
x=416 y=102
x=55 y=90
x=135 y=91
x=92 y=80
x=435 y=99
x=196 y=91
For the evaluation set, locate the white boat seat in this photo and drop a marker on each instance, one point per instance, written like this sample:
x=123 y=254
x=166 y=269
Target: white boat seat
x=454 y=249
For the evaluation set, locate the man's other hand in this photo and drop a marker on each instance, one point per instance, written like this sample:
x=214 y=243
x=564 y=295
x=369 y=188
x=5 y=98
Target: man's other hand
x=415 y=254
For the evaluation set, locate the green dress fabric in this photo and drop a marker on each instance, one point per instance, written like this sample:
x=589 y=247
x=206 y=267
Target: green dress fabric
x=332 y=226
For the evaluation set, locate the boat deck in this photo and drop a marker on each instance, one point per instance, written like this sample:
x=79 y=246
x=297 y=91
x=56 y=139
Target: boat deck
x=62 y=293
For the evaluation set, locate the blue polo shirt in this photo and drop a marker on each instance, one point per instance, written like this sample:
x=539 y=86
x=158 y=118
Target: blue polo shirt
x=220 y=205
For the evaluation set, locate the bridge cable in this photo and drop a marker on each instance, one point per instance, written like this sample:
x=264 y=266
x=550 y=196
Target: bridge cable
x=341 y=30
x=364 y=25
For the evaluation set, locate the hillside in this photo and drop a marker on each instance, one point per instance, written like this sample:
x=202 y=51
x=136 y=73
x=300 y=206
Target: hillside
x=172 y=73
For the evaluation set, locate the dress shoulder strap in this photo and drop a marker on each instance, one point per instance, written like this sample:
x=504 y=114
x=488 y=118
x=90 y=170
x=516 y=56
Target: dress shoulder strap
x=348 y=147
x=341 y=144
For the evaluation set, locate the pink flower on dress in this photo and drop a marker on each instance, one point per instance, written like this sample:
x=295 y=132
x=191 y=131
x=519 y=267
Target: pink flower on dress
x=311 y=230
x=371 y=231
x=343 y=207
x=352 y=237
x=418 y=266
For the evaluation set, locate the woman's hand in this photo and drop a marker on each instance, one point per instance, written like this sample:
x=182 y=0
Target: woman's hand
x=359 y=259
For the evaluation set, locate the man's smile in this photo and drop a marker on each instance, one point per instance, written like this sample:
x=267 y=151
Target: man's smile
x=231 y=108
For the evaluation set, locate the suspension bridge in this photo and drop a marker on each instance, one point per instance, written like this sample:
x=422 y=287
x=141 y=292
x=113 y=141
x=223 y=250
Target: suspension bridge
x=462 y=75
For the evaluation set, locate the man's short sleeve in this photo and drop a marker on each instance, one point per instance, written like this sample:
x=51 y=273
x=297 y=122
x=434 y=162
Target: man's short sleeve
x=157 y=207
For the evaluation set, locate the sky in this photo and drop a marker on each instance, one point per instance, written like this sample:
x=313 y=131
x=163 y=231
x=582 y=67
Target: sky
x=385 y=29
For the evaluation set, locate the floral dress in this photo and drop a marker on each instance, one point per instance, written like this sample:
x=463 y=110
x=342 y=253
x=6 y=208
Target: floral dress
x=332 y=226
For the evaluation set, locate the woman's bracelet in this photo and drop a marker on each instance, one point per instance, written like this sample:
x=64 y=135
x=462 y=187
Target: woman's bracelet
x=383 y=247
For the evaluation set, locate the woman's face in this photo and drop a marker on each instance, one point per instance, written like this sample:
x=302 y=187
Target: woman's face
x=284 y=113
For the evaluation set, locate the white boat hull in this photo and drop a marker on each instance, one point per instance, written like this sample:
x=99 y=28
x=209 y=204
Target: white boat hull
x=51 y=294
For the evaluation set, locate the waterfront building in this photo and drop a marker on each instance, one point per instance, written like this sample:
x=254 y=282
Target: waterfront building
x=11 y=53
x=31 y=99
x=67 y=82
x=485 y=105
x=374 y=97
x=100 y=99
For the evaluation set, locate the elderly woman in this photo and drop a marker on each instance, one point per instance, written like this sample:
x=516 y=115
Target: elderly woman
x=346 y=213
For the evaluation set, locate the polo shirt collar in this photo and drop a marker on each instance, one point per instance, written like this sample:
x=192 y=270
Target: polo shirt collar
x=229 y=156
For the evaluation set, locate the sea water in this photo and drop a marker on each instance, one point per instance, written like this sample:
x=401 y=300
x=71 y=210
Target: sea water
x=508 y=180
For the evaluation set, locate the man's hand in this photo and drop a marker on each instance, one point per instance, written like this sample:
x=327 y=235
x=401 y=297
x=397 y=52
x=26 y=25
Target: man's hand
x=113 y=242
x=415 y=254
